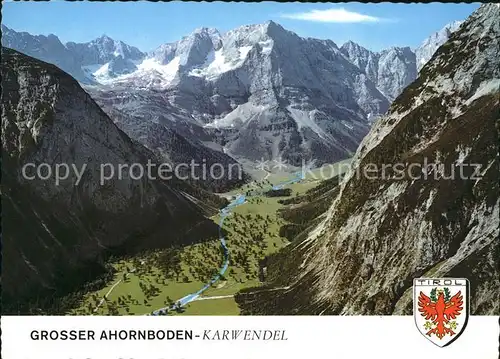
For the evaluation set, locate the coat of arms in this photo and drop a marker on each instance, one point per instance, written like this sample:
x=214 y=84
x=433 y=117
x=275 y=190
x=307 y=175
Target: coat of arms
x=441 y=308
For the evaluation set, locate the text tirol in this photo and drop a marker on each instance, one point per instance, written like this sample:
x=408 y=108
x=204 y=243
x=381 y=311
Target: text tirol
x=441 y=282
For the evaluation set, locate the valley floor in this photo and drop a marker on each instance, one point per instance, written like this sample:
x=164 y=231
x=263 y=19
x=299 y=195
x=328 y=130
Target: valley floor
x=154 y=280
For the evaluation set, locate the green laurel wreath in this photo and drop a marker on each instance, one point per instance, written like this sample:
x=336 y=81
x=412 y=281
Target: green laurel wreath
x=433 y=295
x=447 y=294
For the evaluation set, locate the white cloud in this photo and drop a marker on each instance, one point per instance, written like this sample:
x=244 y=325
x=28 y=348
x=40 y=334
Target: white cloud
x=332 y=15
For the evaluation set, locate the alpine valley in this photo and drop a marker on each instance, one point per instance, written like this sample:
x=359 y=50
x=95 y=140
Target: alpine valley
x=268 y=242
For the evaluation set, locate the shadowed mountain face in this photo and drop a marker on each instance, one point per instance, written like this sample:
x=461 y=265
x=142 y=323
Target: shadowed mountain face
x=146 y=124
x=55 y=235
x=385 y=229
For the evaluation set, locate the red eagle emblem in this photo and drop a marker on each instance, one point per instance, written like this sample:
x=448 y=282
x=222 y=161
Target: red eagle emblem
x=439 y=311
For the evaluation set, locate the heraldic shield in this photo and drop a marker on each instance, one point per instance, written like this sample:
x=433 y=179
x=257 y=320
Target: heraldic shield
x=441 y=308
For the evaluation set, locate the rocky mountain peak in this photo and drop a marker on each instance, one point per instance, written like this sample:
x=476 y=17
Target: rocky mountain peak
x=164 y=53
x=351 y=47
x=274 y=28
x=429 y=46
x=396 y=69
x=391 y=69
x=193 y=49
x=54 y=38
x=211 y=31
x=398 y=51
x=364 y=59
x=103 y=39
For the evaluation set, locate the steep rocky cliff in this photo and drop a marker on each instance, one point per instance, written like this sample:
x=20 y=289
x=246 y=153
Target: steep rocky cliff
x=55 y=235
x=391 y=70
x=416 y=219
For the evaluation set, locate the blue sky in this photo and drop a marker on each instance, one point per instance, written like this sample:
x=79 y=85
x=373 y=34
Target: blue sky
x=150 y=24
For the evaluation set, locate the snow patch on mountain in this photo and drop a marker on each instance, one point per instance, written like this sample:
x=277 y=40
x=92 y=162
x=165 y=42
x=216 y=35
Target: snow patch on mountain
x=92 y=71
x=306 y=119
x=266 y=46
x=150 y=73
x=102 y=72
x=168 y=71
x=218 y=63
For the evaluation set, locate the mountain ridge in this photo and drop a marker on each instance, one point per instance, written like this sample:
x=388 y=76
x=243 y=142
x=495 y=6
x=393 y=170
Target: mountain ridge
x=127 y=52
x=254 y=92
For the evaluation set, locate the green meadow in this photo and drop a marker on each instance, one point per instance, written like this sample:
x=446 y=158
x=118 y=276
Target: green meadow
x=158 y=279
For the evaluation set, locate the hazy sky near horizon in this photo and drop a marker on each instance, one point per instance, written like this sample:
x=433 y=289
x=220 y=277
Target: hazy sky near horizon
x=147 y=25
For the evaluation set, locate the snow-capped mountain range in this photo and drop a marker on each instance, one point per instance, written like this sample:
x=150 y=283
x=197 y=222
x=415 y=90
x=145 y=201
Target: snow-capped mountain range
x=87 y=62
x=258 y=91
